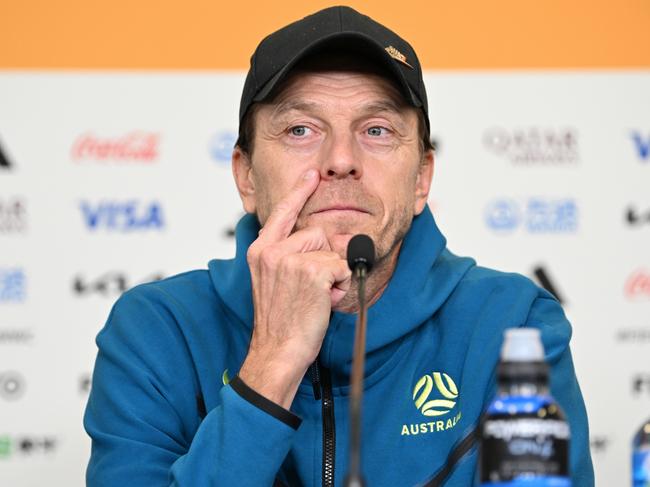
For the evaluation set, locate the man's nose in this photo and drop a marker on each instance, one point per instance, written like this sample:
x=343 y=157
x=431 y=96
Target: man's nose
x=342 y=158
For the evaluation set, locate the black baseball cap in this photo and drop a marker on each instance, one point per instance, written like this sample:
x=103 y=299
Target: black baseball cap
x=347 y=30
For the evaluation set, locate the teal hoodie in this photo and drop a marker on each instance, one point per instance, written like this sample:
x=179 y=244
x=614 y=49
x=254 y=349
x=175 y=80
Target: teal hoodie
x=167 y=408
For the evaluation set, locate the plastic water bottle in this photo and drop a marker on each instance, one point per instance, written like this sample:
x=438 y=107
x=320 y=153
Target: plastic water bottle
x=641 y=457
x=524 y=434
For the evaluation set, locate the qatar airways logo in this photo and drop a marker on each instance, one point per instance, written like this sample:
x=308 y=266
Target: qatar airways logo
x=637 y=286
x=133 y=147
x=533 y=145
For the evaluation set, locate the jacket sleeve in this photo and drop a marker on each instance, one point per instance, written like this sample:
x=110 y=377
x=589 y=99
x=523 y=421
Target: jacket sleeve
x=142 y=412
x=547 y=315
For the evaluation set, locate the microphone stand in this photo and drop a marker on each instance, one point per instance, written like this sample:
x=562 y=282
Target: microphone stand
x=354 y=478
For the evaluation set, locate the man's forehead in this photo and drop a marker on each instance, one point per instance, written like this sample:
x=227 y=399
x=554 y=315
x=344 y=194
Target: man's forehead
x=363 y=108
x=303 y=90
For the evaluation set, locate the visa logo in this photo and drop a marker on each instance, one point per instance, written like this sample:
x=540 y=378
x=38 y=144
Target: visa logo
x=124 y=216
x=642 y=145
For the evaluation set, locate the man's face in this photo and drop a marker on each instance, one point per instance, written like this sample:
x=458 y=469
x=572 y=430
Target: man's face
x=354 y=128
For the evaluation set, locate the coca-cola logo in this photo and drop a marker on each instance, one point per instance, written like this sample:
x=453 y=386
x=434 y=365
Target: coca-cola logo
x=638 y=285
x=136 y=146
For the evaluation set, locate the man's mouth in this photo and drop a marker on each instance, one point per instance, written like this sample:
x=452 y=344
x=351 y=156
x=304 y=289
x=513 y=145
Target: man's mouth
x=340 y=208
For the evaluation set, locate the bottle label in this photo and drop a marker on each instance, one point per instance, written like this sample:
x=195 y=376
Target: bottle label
x=641 y=468
x=525 y=450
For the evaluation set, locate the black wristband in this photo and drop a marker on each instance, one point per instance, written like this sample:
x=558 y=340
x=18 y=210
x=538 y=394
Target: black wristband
x=259 y=401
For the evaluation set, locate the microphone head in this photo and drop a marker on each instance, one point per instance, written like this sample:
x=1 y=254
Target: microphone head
x=361 y=251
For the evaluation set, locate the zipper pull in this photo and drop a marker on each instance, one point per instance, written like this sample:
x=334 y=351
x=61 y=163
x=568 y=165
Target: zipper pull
x=315 y=380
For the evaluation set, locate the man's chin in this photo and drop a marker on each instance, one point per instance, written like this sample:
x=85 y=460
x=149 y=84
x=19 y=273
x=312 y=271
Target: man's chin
x=339 y=243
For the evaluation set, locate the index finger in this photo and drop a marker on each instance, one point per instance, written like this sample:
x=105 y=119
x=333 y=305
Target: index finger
x=283 y=217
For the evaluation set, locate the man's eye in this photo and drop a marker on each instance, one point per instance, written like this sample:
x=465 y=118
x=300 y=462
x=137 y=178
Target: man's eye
x=299 y=130
x=376 y=131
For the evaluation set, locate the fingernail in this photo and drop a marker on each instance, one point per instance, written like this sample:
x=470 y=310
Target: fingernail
x=310 y=174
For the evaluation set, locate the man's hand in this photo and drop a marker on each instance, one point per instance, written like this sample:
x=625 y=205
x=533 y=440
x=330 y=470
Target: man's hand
x=296 y=280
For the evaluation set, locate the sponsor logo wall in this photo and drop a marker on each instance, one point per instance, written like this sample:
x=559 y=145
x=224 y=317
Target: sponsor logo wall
x=12 y=385
x=109 y=284
x=26 y=445
x=535 y=215
x=533 y=145
x=221 y=144
x=138 y=187
x=122 y=216
x=13 y=285
x=637 y=286
x=641 y=144
x=133 y=147
x=4 y=160
x=637 y=217
x=542 y=276
x=13 y=215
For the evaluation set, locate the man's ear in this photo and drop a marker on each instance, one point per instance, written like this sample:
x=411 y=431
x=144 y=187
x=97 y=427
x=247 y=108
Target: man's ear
x=242 y=171
x=423 y=182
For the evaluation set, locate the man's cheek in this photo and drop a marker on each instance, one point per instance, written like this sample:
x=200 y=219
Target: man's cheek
x=264 y=207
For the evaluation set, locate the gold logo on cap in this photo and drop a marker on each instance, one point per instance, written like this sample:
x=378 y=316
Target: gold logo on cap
x=397 y=56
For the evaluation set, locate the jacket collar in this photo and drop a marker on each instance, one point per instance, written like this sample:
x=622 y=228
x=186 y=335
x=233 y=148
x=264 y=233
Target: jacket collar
x=425 y=275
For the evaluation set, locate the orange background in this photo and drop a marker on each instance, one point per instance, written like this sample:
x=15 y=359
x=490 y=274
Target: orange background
x=201 y=34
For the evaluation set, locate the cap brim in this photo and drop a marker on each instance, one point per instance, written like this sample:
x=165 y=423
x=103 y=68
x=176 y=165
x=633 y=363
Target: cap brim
x=355 y=40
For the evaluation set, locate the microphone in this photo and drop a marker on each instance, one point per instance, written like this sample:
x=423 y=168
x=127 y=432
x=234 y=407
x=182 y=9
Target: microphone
x=361 y=252
x=361 y=258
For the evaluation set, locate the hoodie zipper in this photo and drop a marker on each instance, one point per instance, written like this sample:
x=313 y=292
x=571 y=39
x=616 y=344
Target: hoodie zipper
x=322 y=384
x=456 y=454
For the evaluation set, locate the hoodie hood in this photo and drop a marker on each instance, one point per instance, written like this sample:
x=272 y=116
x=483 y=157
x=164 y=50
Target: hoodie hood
x=425 y=275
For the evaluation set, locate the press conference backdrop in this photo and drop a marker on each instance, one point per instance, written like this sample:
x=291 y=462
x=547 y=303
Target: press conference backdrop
x=116 y=129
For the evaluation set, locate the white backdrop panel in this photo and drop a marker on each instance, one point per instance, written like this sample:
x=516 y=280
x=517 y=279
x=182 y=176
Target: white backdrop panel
x=111 y=179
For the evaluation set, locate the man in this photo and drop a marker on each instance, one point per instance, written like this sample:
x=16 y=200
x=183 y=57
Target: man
x=334 y=141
